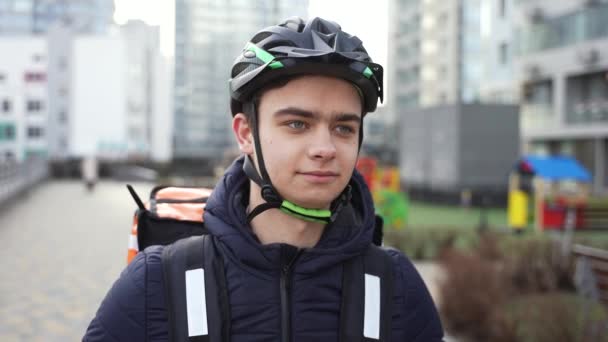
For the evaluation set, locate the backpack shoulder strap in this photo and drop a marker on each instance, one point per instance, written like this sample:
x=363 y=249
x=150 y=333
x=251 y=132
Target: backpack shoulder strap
x=367 y=295
x=195 y=291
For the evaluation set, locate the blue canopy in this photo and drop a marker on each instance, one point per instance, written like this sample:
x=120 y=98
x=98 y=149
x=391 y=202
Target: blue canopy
x=555 y=168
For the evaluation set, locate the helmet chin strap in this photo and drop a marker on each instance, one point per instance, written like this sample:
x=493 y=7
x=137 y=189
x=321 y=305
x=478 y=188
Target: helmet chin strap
x=270 y=195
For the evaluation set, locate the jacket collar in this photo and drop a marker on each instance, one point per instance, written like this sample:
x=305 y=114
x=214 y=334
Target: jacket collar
x=225 y=217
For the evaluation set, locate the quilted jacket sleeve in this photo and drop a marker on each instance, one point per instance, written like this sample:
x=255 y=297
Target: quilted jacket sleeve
x=133 y=309
x=415 y=316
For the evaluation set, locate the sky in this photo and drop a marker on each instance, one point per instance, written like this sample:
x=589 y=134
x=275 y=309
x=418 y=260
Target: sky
x=366 y=19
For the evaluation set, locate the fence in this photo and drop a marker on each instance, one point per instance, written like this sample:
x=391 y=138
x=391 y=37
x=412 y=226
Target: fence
x=18 y=177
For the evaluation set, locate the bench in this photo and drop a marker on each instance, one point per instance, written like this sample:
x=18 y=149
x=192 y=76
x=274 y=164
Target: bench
x=591 y=280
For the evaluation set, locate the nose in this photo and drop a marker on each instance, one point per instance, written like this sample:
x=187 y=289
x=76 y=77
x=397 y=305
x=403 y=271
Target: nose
x=322 y=146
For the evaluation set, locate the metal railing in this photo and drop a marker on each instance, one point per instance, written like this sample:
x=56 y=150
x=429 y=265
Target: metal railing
x=18 y=177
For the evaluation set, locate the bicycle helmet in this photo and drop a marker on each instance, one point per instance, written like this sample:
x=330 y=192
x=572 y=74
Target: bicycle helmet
x=292 y=48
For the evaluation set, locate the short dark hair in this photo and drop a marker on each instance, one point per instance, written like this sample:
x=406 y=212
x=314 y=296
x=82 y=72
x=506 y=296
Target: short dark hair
x=276 y=84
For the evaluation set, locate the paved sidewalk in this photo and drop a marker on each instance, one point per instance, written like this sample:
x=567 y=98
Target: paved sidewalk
x=61 y=249
x=432 y=274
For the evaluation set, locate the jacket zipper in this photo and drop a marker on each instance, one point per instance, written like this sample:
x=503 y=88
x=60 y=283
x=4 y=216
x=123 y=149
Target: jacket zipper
x=286 y=298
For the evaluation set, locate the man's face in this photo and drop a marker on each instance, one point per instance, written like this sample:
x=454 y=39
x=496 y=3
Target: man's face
x=309 y=133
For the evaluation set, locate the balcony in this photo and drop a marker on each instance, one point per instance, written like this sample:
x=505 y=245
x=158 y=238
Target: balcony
x=588 y=112
x=581 y=25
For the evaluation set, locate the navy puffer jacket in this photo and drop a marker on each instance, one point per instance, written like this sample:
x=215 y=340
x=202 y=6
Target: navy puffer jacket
x=134 y=308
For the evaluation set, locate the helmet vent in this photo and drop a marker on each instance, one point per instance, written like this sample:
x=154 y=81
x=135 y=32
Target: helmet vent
x=239 y=68
x=294 y=23
x=323 y=28
x=360 y=49
x=260 y=36
x=276 y=43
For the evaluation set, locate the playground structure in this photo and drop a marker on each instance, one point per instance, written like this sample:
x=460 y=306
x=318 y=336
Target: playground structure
x=385 y=186
x=549 y=191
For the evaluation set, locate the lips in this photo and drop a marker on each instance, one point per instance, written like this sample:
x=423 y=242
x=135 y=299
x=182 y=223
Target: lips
x=319 y=177
x=321 y=173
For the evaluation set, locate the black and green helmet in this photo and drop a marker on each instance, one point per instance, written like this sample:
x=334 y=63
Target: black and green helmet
x=298 y=47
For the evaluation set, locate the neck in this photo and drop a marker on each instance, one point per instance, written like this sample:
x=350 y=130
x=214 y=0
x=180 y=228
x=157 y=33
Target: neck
x=275 y=226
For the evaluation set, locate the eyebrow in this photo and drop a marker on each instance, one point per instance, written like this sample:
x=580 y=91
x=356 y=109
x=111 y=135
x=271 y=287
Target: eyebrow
x=349 y=117
x=310 y=114
x=295 y=111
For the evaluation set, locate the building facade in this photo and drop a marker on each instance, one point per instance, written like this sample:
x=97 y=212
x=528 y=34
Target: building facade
x=426 y=52
x=453 y=93
x=562 y=69
x=208 y=36
x=60 y=22
x=99 y=97
x=23 y=98
x=148 y=89
x=60 y=40
x=111 y=94
x=38 y=16
x=108 y=92
x=120 y=87
x=453 y=148
x=450 y=52
x=498 y=82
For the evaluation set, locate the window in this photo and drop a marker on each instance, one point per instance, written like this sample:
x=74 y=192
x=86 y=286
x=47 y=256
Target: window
x=587 y=98
x=503 y=8
x=415 y=47
x=430 y=47
x=429 y=73
x=62 y=116
x=2 y=77
x=62 y=64
x=34 y=132
x=22 y=6
x=429 y=22
x=6 y=106
x=408 y=100
x=536 y=109
x=30 y=153
x=34 y=106
x=504 y=53
x=37 y=58
x=9 y=156
x=7 y=132
x=35 y=77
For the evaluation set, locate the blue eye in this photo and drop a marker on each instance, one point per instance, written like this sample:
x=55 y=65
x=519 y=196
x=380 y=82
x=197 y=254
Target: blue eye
x=296 y=124
x=345 y=129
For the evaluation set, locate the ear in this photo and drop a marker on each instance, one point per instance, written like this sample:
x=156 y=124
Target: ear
x=242 y=132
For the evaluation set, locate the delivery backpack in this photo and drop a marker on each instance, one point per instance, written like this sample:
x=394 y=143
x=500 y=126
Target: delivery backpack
x=195 y=284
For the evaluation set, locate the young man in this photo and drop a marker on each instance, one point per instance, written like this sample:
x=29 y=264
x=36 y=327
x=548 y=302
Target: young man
x=291 y=212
